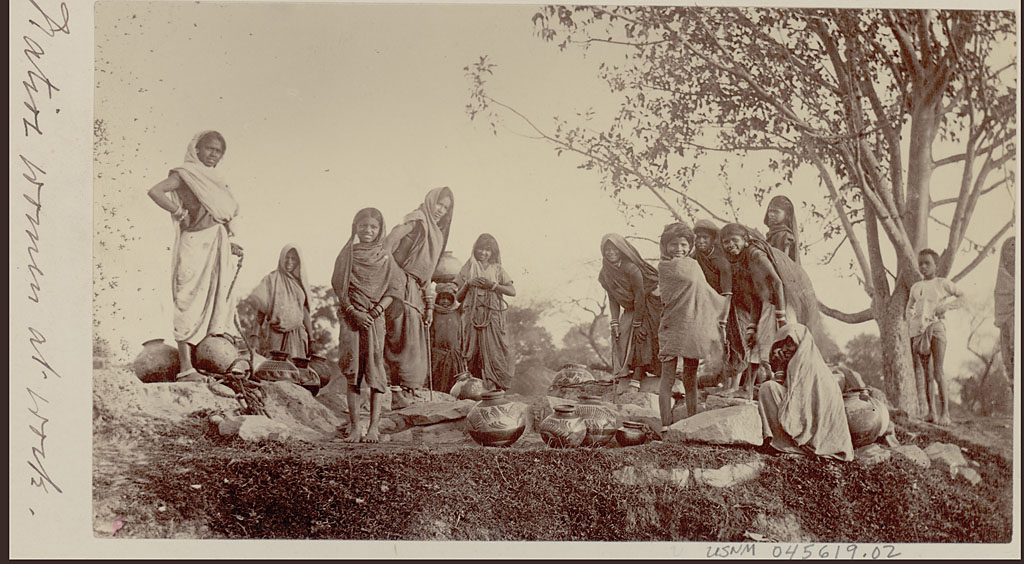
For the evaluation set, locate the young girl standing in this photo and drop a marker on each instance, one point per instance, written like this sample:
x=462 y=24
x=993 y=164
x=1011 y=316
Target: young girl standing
x=483 y=285
x=692 y=311
x=366 y=280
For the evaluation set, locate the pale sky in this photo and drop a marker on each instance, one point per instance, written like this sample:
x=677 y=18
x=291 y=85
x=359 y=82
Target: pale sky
x=330 y=108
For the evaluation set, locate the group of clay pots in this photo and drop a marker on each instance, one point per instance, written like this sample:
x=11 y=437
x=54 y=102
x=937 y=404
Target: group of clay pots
x=159 y=362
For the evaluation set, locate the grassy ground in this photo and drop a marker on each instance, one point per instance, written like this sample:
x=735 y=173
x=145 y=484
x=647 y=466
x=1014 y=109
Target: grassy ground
x=156 y=480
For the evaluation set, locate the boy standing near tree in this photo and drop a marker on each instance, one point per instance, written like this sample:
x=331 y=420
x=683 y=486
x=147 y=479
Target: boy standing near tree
x=929 y=300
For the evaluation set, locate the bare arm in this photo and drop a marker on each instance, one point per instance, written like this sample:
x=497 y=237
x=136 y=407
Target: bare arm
x=161 y=193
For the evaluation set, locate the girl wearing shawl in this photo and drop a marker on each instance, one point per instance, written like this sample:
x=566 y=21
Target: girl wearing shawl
x=483 y=285
x=632 y=286
x=201 y=207
x=446 y=340
x=366 y=281
x=281 y=302
x=416 y=245
x=692 y=311
x=1005 y=303
x=758 y=304
x=803 y=413
x=781 y=222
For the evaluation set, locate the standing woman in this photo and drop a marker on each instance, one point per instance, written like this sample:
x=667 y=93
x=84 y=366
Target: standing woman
x=366 y=281
x=416 y=245
x=635 y=306
x=281 y=303
x=1004 y=300
x=692 y=311
x=781 y=221
x=483 y=285
x=202 y=208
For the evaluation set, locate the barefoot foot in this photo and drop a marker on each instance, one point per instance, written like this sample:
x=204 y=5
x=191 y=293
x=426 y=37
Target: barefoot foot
x=354 y=436
x=371 y=436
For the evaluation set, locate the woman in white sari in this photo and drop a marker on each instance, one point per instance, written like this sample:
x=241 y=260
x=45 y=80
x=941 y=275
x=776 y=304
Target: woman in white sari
x=202 y=207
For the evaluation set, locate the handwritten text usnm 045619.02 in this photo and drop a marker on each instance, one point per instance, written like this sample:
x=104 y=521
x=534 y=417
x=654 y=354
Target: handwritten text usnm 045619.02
x=45 y=24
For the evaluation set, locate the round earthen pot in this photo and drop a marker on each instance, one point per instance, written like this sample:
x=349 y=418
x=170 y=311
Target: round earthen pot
x=468 y=386
x=599 y=420
x=867 y=416
x=324 y=368
x=447 y=268
x=571 y=375
x=307 y=378
x=496 y=421
x=158 y=362
x=563 y=428
x=216 y=353
x=631 y=433
x=276 y=368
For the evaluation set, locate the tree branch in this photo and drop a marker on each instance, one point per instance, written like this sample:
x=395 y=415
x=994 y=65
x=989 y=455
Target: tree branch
x=985 y=251
x=852 y=318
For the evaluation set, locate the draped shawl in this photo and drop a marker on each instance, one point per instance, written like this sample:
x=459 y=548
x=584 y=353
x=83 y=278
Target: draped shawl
x=207 y=185
x=365 y=272
x=615 y=278
x=283 y=296
x=692 y=309
x=426 y=249
x=480 y=303
x=811 y=412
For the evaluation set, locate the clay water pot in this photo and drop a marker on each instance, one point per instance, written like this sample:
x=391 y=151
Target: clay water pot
x=599 y=421
x=468 y=386
x=216 y=353
x=447 y=268
x=564 y=428
x=277 y=368
x=158 y=362
x=307 y=378
x=496 y=421
x=571 y=375
x=867 y=416
x=631 y=433
x=324 y=368
x=242 y=365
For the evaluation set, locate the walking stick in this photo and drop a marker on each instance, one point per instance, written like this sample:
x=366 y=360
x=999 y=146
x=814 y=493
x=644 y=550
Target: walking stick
x=430 y=366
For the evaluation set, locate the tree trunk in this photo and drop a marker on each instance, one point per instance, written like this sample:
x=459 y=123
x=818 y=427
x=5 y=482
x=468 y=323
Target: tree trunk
x=898 y=365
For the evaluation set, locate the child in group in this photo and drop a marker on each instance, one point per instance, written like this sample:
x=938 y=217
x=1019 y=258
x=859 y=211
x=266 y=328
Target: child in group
x=692 y=309
x=718 y=272
x=446 y=338
x=281 y=305
x=483 y=284
x=780 y=218
x=929 y=300
x=366 y=280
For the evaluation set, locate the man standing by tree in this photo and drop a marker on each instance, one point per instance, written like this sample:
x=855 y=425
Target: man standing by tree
x=928 y=303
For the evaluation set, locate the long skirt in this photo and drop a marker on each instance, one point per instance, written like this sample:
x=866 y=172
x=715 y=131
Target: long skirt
x=200 y=279
x=831 y=441
x=489 y=357
x=405 y=350
x=628 y=352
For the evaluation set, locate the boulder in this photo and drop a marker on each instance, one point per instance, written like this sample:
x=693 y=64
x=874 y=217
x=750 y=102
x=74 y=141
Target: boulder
x=729 y=475
x=293 y=405
x=914 y=454
x=945 y=455
x=645 y=400
x=429 y=413
x=718 y=402
x=740 y=424
x=871 y=454
x=118 y=391
x=254 y=428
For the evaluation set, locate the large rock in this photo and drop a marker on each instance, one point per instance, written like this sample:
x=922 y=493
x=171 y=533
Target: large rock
x=969 y=474
x=254 y=428
x=294 y=406
x=945 y=455
x=645 y=400
x=429 y=413
x=118 y=391
x=871 y=454
x=718 y=402
x=729 y=475
x=914 y=454
x=739 y=424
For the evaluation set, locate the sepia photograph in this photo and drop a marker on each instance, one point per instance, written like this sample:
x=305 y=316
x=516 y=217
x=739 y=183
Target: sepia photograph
x=725 y=280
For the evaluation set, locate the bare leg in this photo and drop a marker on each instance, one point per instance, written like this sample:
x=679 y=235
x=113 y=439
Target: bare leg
x=668 y=377
x=927 y=366
x=748 y=386
x=638 y=374
x=373 y=431
x=690 y=383
x=185 y=355
x=938 y=357
x=354 y=401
